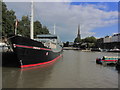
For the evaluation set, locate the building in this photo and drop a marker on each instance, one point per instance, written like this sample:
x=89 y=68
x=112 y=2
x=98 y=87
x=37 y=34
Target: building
x=71 y=44
x=107 y=39
x=78 y=38
x=78 y=35
x=115 y=38
x=111 y=42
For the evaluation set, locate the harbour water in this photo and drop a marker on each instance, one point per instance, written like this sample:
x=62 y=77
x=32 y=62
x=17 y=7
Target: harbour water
x=75 y=69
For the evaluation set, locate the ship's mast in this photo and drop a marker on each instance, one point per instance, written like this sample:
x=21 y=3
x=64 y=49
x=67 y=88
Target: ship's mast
x=16 y=24
x=32 y=24
x=54 y=28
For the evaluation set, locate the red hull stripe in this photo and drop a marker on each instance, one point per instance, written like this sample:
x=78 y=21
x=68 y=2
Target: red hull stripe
x=31 y=65
x=32 y=47
x=109 y=60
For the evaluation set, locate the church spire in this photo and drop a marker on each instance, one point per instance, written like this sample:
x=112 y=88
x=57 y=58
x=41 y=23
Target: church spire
x=78 y=38
x=78 y=35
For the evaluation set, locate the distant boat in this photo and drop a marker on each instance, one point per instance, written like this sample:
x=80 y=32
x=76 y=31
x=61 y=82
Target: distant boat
x=36 y=51
x=96 y=49
x=107 y=60
x=114 y=50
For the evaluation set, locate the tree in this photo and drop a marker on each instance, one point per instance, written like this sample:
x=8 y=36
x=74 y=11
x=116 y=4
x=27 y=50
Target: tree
x=37 y=28
x=77 y=40
x=8 y=24
x=24 y=26
x=66 y=44
x=45 y=30
x=8 y=21
x=91 y=41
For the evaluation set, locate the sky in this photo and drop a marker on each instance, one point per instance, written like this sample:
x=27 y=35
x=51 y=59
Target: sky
x=95 y=18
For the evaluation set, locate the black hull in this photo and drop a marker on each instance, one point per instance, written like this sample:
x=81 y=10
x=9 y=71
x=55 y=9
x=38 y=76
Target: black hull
x=32 y=53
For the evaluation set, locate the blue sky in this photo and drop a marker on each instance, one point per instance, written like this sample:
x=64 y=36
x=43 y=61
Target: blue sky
x=96 y=18
x=112 y=6
x=109 y=6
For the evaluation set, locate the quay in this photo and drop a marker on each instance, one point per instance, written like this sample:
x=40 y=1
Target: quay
x=74 y=48
x=70 y=48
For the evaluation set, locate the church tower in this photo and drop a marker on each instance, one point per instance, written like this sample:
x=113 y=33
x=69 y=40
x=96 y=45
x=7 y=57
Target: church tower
x=78 y=38
x=78 y=35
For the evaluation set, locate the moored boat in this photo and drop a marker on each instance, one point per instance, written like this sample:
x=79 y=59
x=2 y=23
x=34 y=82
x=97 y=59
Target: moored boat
x=107 y=60
x=96 y=49
x=36 y=51
x=114 y=50
x=44 y=49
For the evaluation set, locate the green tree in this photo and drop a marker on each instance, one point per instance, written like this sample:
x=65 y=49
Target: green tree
x=37 y=28
x=77 y=40
x=24 y=26
x=91 y=39
x=45 y=30
x=0 y=19
x=8 y=24
x=66 y=44
x=8 y=21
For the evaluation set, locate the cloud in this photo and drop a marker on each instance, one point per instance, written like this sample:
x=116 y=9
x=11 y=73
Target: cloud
x=67 y=17
x=61 y=0
x=37 y=0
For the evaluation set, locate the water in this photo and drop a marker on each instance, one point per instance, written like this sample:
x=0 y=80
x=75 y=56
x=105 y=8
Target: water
x=75 y=69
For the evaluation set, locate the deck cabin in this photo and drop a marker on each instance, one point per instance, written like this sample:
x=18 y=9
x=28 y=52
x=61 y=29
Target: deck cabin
x=50 y=41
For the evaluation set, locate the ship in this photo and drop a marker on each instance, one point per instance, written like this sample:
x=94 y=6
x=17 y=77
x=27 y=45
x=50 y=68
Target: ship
x=32 y=51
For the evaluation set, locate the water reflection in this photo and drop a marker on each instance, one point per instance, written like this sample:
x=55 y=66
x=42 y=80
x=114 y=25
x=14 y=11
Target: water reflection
x=75 y=70
x=28 y=77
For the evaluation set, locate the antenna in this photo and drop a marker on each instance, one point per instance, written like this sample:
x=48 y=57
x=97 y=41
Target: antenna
x=31 y=28
x=54 y=28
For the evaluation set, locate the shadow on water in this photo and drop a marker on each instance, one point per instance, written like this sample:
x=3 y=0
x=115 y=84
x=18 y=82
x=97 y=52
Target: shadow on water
x=19 y=78
x=14 y=77
x=9 y=59
x=27 y=77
